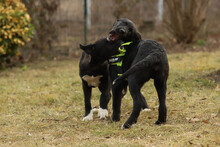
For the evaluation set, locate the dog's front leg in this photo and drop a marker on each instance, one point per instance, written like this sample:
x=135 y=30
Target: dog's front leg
x=161 y=91
x=87 y=101
x=118 y=92
x=104 y=99
x=116 y=105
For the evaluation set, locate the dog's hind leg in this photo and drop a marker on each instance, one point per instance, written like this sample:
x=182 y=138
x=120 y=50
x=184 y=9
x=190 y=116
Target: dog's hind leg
x=137 y=103
x=87 y=101
x=144 y=104
x=160 y=85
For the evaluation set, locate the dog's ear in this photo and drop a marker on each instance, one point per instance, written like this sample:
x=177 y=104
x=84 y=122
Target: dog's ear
x=135 y=35
x=81 y=46
x=88 y=48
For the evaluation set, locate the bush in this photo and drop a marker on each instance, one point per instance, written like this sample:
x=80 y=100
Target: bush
x=43 y=13
x=15 y=28
x=186 y=18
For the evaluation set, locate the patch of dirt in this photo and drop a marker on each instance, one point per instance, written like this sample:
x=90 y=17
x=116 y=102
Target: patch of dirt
x=215 y=75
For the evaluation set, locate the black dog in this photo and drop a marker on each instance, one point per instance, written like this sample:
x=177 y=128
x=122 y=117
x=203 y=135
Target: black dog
x=94 y=73
x=143 y=60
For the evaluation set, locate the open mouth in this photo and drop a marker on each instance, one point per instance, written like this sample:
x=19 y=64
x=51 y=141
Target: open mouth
x=112 y=36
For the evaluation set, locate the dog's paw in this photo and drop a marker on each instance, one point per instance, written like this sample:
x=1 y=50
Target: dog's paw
x=102 y=113
x=88 y=117
x=115 y=118
x=95 y=110
x=125 y=126
x=146 y=110
x=158 y=122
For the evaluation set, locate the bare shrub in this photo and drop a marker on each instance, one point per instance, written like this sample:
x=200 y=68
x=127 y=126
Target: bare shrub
x=185 y=18
x=42 y=13
x=123 y=6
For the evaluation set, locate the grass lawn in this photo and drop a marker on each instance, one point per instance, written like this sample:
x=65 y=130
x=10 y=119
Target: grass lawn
x=41 y=104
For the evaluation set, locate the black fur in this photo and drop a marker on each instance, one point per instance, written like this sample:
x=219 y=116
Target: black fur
x=93 y=63
x=144 y=60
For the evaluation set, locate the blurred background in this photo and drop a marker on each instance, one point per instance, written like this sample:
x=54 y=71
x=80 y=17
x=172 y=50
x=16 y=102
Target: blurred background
x=60 y=25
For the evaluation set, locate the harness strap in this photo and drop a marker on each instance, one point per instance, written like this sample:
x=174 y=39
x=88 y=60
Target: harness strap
x=118 y=59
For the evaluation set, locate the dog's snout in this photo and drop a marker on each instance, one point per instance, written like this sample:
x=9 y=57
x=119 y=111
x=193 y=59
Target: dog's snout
x=121 y=31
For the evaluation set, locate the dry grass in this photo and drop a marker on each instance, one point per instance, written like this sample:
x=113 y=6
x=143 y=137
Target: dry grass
x=41 y=104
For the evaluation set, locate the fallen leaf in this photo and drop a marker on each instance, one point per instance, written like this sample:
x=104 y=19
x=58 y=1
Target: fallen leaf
x=206 y=121
x=203 y=98
x=190 y=141
x=205 y=132
x=192 y=119
x=188 y=118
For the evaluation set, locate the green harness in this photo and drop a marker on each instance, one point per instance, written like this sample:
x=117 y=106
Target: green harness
x=117 y=60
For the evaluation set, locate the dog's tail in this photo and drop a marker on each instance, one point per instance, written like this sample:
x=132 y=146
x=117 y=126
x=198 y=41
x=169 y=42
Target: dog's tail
x=147 y=62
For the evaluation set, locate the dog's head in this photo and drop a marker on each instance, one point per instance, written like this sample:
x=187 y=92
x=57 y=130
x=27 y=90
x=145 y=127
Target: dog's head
x=123 y=29
x=102 y=49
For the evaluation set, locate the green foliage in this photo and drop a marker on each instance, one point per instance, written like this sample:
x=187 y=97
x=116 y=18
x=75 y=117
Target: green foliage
x=15 y=28
x=201 y=42
x=25 y=67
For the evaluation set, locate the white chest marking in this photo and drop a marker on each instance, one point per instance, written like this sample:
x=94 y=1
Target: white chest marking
x=91 y=80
